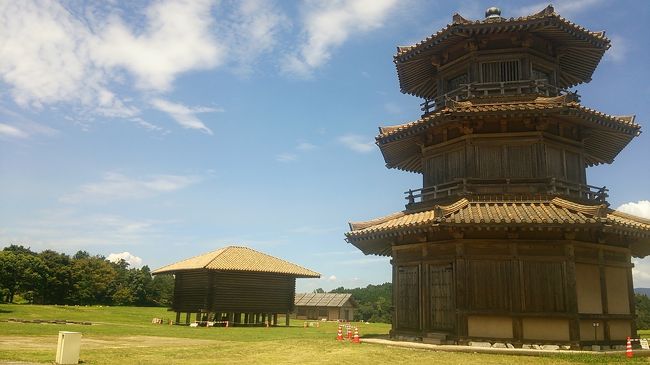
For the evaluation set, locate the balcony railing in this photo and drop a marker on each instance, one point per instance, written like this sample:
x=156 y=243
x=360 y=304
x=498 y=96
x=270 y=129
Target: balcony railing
x=510 y=188
x=488 y=89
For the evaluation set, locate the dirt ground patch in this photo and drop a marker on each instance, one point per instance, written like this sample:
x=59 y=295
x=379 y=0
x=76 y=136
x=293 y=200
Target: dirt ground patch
x=45 y=342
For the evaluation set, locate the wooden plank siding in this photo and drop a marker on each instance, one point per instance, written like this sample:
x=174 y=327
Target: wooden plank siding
x=213 y=291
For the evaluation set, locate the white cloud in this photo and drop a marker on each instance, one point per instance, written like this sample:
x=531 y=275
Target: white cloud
x=252 y=30
x=332 y=278
x=640 y=208
x=11 y=131
x=286 y=157
x=116 y=186
x=184 y=115
x=132 y=260
x=176 y=38
x=357 y=143
x=52 y=55
x=328 y=24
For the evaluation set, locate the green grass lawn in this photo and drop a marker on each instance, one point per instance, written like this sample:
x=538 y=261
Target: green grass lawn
x=125 y=335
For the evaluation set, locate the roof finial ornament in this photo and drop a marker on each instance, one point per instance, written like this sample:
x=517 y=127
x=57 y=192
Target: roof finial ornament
x=492 y=13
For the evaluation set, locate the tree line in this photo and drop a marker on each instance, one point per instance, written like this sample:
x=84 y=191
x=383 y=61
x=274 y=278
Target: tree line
x=375 y=302
x=49 y=277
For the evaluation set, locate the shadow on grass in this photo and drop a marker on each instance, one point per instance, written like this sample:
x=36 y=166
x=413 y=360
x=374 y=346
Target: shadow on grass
x=4 y=311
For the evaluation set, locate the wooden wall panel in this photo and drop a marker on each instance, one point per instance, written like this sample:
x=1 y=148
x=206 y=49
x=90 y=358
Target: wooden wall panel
x=190 y=291
x=519 y=161
x=253 y=292
x=489 y=285
x=554 y=162
x=408 y=297
x=544 y=286
x=442 y=313
x=490 y=161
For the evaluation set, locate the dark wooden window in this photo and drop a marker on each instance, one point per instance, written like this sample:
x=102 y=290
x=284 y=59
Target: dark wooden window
x=500 y=71
x=322 y=312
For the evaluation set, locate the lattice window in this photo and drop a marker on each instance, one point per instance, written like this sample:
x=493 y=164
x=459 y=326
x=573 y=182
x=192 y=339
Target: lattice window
x=500 y=71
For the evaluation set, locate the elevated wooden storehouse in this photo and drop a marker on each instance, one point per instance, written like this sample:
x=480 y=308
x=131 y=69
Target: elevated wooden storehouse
x=234 y=284
x=328 y=306
x=505 y=241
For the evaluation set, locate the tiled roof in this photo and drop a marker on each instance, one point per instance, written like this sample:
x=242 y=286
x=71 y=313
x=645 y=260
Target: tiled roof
x=583 y=49
x=322 y=299
x=626 y=123
x=556 y=212
x=610 y=133
x=235 y=258
x=548 y=12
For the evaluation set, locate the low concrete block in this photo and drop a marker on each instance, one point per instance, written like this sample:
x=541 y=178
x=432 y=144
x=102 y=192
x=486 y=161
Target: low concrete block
x=499 y=345
x=550 y=347
x=479 y=344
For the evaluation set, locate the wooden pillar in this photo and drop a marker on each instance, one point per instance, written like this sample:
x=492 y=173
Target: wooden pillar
x=263 y=317
x=517 y=288
x=231 y=317
x=603 y=292
x=286 y=319
x=178 y=318
x=257 y=318
x=572 y=296
x=246 y=318
x=187 y=318
x=632 y=299
x=275 y=319
x=461 y=292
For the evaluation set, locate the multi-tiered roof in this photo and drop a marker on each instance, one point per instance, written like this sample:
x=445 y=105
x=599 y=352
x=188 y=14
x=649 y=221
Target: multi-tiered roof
x=503 y=144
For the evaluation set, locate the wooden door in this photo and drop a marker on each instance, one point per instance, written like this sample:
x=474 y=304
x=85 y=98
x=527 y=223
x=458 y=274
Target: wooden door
x=408 y=306
x=441 y=297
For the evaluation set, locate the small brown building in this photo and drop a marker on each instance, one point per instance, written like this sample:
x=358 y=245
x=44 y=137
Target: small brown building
x=506 y=241
x=234 y=284
x=328 y=306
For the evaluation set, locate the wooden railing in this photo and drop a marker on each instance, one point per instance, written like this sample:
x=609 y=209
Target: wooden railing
x=522 y=188
x=477 y=90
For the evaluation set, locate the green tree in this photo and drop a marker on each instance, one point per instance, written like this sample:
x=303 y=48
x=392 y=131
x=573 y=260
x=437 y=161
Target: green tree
x=642 y=311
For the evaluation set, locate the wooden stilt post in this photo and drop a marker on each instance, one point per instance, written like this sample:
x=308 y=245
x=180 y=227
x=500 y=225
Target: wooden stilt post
x=187 y=318
x=286 y=319
x=178 y=318
x=275 y=319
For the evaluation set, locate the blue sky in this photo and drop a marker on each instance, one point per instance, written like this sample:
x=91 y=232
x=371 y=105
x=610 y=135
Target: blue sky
x=169 y=129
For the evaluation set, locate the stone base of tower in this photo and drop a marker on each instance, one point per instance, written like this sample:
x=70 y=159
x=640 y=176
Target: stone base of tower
x=518 y=291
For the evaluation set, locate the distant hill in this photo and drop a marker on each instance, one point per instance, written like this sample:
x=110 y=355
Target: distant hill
x=644 y=291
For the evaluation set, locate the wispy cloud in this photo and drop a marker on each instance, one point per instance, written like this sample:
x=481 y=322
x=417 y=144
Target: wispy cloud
x=357 y=143
x=252 y=30
x=328 y=24
x=618 y=50
x=7 y=130
x=116 y=186
x=286 y=157
x=71 y=229
x=185 y=116
x=305 y=146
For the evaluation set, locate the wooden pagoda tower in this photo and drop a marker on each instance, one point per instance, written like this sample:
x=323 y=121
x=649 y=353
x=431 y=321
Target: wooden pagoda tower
x=505 y=241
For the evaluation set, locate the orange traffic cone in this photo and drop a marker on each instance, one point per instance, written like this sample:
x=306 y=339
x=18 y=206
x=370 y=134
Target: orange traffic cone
x=628 y=349
x=339 y=335
x=356 y=336
x=349 y=331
